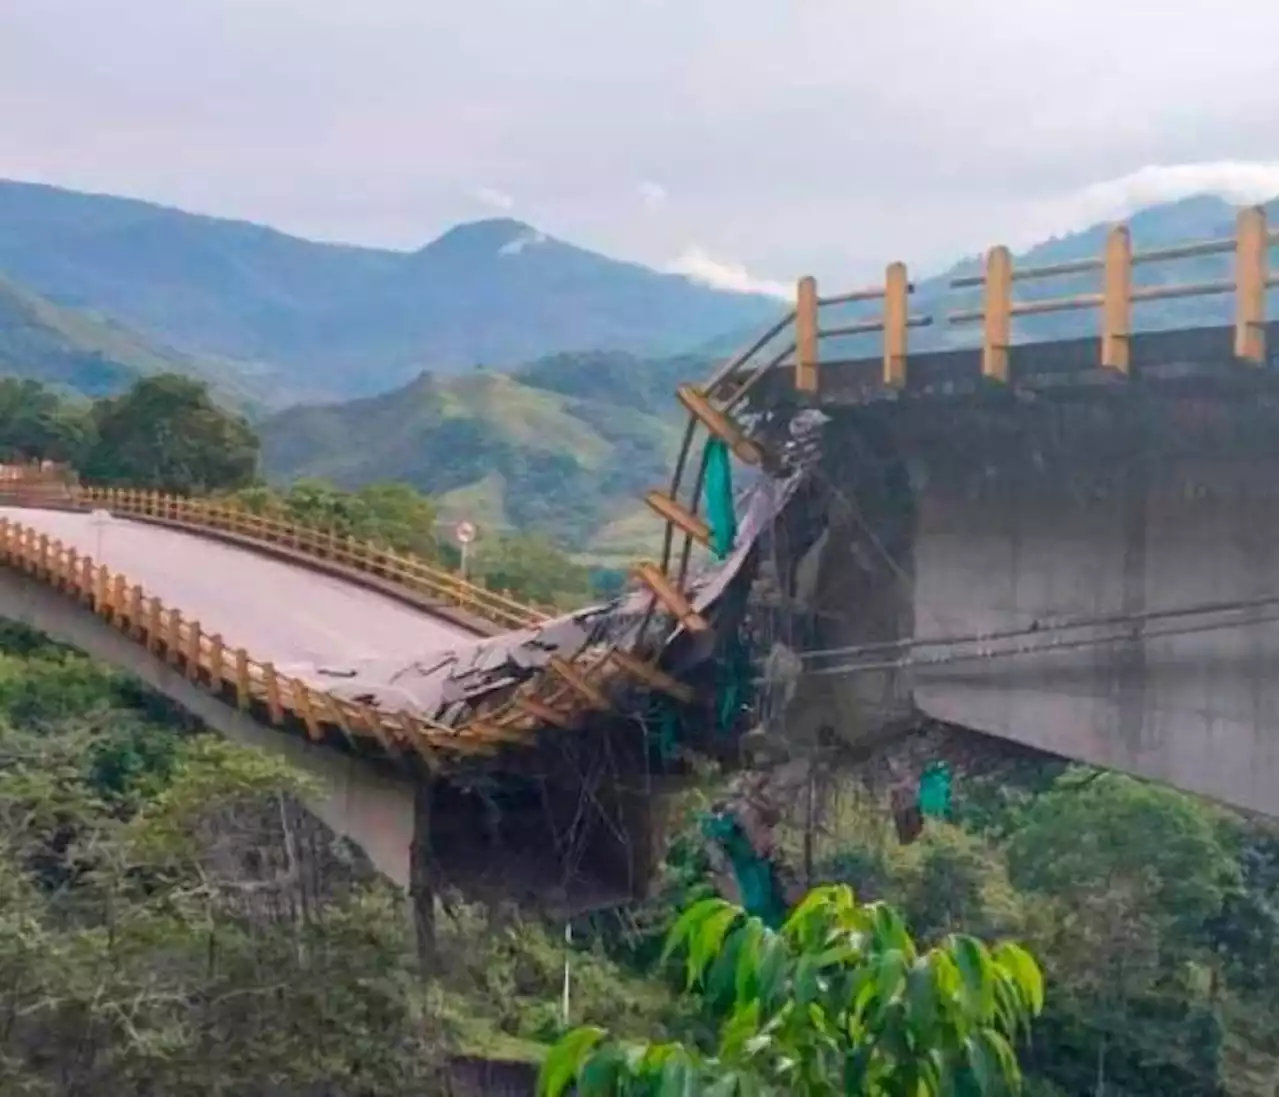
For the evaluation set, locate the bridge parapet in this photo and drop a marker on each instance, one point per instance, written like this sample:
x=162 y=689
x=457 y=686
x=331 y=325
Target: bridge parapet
x=401 y=569
x=790 y=353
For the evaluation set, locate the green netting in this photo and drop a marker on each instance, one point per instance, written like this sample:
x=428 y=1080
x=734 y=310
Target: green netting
x=935 y=791
x=668 y=730
x=718 y=498
x=733 y=684
x=757 y=882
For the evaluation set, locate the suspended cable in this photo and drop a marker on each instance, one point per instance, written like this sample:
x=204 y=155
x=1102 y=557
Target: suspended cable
x=1044 y=628
x=1035 y=649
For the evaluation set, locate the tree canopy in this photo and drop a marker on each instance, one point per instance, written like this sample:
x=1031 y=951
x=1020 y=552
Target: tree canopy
x=168 y=434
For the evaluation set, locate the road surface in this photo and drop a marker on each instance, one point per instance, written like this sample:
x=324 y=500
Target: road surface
x=278 y=612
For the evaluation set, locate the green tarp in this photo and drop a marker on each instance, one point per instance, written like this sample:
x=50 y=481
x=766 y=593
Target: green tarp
x=718 y=498
x=935 y=791
x=757 y=883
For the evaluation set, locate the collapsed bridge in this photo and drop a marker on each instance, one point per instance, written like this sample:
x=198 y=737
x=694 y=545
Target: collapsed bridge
x=1068 y=545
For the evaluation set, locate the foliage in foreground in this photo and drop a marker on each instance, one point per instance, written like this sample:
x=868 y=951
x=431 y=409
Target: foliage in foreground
x=840 y=1000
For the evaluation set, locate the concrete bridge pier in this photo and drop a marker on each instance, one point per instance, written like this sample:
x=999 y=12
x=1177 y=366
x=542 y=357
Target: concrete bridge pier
x=954 y=519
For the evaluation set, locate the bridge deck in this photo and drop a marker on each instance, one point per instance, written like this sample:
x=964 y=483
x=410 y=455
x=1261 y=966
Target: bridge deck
x=294 y=616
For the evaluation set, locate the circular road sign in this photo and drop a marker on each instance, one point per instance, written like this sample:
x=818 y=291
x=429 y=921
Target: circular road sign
x=465 y=532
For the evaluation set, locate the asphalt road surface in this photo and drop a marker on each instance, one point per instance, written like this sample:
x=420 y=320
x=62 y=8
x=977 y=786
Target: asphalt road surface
x=277 y=612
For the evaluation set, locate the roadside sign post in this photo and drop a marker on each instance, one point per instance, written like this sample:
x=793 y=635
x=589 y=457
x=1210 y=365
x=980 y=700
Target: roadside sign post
x=464 y=533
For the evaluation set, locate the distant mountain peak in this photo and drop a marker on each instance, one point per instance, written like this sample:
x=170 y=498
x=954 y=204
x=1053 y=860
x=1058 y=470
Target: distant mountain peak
x=494 y=236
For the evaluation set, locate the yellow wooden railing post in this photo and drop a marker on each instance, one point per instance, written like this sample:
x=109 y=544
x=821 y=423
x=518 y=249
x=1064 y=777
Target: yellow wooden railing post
x=217 y=663
x=191 y=651
x=896 y=304
x=807 y=335
x=1251 y=281
x=272 y=683
x=302 y=703
x=102 y=591
x=997 y=314
x=118 y=600
x=154 y=624
x=1117 y=299
x=88 y=586
x=242 y=677
x=172 y=636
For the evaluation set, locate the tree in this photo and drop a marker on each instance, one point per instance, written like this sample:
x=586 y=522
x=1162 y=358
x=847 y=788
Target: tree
x=839 y=1000
x=166 y=433
x=35 y=424
x=1136 y=872
x=532 y=566
x=391 y=514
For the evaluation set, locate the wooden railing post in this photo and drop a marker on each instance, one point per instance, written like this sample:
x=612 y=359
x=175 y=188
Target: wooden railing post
x=807 y=335
x=1117 y=300
x=303 y=705
x=192 y=651
x=896 y=292
x=275 y=710
x=242 y=678
x=1251 y=281
x=173 y=636
x=88 y=585
x=216 y=663
x=997 y=313
x=102 y=591
x=154 y=626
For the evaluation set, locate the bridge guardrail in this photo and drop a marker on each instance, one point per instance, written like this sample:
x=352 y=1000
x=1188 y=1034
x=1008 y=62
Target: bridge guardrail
x=1117 y=296
x=571 y=685
x=203 y=657
x=233 y=675
x=404 y=570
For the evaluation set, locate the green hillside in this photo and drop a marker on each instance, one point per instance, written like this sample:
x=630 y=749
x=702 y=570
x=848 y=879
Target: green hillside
x=506 y=450
x=92 y=355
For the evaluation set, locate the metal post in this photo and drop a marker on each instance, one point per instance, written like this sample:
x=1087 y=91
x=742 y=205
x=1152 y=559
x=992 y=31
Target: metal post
x=564 y=1002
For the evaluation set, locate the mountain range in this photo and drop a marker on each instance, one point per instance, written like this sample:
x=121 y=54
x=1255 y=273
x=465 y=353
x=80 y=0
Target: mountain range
x=327 y=320
x=564 y=442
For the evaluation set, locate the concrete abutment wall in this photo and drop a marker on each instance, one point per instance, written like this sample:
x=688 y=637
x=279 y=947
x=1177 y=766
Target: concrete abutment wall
x=1021 y=513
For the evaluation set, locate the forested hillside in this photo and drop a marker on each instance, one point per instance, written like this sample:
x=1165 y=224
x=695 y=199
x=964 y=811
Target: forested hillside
x=559 y=446
x=89 y=354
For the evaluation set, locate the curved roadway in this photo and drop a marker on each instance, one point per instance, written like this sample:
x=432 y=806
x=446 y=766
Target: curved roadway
x=289 y=615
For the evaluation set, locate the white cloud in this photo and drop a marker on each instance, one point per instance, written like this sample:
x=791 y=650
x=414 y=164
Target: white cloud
x=1237 y=181
x=496 y=199
x=696 y=265
x=517 y=244
x=652 y=194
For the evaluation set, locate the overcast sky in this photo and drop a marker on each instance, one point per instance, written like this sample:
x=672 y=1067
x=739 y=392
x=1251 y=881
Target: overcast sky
x=747 y=139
